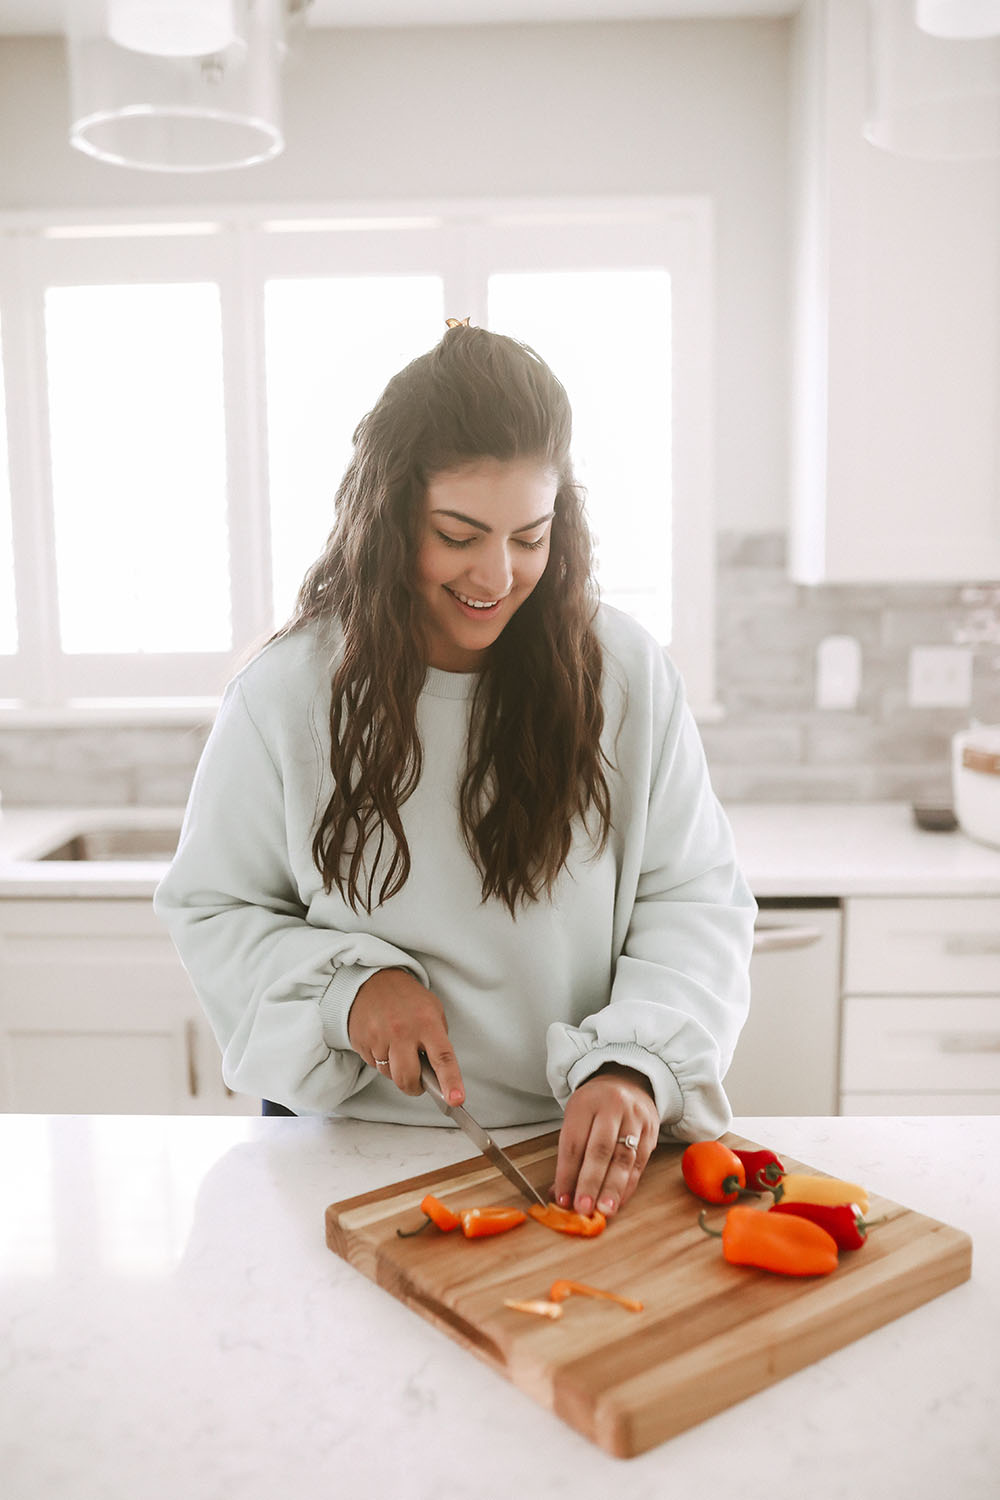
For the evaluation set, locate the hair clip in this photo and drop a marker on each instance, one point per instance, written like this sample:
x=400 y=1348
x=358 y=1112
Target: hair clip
x=457 y=322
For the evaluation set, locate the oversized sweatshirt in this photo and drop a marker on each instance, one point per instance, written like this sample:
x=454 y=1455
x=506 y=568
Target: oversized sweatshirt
x=639 y=956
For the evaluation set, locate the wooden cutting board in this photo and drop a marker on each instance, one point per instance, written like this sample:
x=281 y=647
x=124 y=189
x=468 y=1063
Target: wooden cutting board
x=709 y=1334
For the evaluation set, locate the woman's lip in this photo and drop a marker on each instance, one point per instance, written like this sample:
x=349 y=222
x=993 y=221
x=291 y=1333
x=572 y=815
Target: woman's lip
x=471 y=611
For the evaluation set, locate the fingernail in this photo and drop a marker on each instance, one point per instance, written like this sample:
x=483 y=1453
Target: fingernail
x=585 y=1205
x=607 y=1205
x=564 y=1200
x=456 y=1096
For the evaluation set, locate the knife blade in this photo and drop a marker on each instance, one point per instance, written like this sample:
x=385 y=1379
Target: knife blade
x=480 y=1137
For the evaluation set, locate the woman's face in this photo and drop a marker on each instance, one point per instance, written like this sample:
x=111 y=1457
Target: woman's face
x=483 y=547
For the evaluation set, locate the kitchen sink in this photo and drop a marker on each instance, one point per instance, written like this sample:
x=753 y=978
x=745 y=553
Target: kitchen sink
x=95 y=844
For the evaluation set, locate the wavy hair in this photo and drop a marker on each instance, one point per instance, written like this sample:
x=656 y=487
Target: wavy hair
x=534 y=760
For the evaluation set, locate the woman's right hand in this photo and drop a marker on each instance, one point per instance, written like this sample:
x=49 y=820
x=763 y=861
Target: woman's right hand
x=394 y=1019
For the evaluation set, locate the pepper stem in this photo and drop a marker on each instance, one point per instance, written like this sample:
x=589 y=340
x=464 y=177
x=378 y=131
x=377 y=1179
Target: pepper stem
x=407 y=1234
x=716 y=1232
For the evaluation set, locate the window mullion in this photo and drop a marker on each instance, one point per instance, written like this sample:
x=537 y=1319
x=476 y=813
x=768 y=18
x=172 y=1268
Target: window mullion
x=31 y=478
x=246 y=441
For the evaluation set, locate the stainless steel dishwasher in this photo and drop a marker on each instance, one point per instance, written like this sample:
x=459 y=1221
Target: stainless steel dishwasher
x=787 y=1061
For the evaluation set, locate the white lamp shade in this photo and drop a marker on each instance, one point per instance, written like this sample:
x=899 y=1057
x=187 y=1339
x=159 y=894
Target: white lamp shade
x=172 y=28
x=959 y=19
x=930 y=97
x=176 y=112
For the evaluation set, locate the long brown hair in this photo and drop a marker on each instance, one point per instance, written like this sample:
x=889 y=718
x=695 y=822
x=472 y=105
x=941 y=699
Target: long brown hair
x=534 y=760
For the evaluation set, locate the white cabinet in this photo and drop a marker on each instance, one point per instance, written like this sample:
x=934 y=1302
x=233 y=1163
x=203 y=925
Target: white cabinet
x=895 y=463
x=98 y=1017
x=786 y=1057
x=921 y=1012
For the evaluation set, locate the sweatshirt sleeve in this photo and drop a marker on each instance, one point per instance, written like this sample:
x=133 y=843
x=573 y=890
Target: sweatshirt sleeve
x=277 y=989
x=680 y=988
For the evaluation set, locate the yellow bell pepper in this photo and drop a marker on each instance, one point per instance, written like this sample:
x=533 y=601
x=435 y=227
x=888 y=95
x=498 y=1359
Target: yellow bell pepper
x=807 y=1187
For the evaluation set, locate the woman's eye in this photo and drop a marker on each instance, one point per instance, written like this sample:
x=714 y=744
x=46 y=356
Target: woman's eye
x=532 y=546
x=452 y=541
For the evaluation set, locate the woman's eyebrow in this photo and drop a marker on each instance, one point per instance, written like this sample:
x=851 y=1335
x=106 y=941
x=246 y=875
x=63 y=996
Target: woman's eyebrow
x=456 y=515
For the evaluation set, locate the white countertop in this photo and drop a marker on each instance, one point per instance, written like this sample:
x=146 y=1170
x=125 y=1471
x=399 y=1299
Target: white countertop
x=172 y=1325
x=786 y=849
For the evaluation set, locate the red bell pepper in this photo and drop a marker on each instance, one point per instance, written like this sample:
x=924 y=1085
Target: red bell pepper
x=843 y=1221
x=762 y=1167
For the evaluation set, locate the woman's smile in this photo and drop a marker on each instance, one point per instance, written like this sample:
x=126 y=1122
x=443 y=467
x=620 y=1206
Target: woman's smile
x=484 y=546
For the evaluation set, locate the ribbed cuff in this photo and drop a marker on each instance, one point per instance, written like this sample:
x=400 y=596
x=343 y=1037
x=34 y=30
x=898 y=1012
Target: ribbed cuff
x=336 y=1001
x=666 y=1090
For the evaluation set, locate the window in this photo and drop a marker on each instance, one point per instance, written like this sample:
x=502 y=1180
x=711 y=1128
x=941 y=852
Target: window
x=180 y=400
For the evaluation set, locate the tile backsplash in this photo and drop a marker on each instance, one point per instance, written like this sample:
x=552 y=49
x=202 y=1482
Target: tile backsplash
x=772 y=743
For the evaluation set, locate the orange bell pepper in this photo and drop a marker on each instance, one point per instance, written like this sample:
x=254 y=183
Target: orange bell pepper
x=713 y=1172
x=566 y=1221
x=753 y=1237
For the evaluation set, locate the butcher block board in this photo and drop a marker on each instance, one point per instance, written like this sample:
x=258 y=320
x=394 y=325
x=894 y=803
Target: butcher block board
x=709 y=1334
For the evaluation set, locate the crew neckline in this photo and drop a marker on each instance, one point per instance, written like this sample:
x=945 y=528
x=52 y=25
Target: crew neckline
x=455 y=685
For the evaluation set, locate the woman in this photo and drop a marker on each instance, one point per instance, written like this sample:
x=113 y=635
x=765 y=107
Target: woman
x=455 y=808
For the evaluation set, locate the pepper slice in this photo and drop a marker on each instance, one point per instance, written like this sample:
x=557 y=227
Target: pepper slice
x=560 y=1290
x=566 y=1221
x=478 y=1222
x=440 y=1215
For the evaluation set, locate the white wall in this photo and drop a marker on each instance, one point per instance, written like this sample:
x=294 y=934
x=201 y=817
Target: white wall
x=646 y=107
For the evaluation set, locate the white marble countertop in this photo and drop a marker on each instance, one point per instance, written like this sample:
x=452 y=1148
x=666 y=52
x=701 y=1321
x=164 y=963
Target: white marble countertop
x=786 y=849
x=172 y=1325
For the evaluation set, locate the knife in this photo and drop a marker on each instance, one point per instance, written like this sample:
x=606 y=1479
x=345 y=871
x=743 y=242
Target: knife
x=482 y=1138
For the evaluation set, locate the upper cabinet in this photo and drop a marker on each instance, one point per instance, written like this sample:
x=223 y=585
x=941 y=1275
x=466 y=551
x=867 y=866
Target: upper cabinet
x=895 y=474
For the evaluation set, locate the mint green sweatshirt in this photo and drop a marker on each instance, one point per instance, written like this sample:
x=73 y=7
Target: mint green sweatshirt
x=640 y=956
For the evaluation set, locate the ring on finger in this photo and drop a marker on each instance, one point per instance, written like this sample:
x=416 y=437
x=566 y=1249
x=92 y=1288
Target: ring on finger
x=630 y=1141
x=380 y=1062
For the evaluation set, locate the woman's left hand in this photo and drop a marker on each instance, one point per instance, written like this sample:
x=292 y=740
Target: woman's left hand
x=597 y=1166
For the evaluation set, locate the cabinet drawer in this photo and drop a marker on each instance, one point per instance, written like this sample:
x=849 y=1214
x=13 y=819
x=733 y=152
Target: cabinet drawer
x=930 y=1043
x=922 y=946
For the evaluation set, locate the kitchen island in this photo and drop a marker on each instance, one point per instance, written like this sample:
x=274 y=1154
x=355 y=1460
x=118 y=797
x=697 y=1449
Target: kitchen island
x=173 y=1325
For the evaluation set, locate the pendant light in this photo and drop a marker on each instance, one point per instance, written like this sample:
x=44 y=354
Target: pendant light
x=177 y=85
x=935 y=96
x=959 y=19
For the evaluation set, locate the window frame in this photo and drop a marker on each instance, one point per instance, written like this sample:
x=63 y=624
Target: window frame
x=241 y=248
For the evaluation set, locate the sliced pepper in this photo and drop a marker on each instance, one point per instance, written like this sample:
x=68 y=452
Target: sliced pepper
x=477 y=1222
x=440 y=1215
x=560 y=1290
x=537 y=1305
x=809 y=1187
x=567 y=1221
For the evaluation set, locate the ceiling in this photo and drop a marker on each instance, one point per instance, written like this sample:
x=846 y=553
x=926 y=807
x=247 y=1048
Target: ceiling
x=40 y=17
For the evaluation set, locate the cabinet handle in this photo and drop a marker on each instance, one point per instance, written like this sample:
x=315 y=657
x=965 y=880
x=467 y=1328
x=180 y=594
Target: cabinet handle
x=971 y=1041
x=191 y=1050
x=781 y=939
x=972 y=944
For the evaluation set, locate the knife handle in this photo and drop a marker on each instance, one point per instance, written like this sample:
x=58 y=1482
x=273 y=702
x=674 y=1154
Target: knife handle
x=428 y=1078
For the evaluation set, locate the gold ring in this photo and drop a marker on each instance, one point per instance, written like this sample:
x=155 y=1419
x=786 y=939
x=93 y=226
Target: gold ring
x=631 y=1141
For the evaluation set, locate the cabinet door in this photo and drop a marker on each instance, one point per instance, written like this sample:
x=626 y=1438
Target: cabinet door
x=896 y=377
x=786 y=1058
x=97 y=1015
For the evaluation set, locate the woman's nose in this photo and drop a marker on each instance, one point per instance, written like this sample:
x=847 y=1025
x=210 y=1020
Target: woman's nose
x=492 y=573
